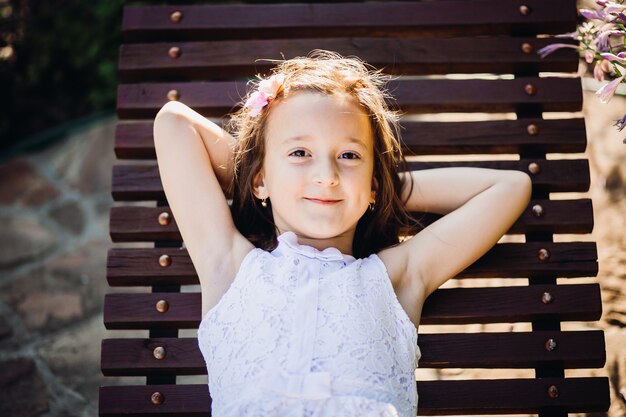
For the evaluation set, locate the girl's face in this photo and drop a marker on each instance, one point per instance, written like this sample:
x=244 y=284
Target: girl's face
x=318 y=168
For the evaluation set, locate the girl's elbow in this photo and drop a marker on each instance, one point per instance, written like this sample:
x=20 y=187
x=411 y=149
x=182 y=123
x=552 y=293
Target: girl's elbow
x=524 y=184
x=170 y=108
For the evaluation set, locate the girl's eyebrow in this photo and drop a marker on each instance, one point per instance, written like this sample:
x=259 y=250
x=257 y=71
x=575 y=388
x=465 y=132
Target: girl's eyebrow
x=305 y=137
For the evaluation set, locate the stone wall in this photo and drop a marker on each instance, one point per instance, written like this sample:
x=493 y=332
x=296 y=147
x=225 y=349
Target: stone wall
x=55 y=205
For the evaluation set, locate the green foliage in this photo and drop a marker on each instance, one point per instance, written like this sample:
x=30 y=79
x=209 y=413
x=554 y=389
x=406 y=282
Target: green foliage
x=64 y=65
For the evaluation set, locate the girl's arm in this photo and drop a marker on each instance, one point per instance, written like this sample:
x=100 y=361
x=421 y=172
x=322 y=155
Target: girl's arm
x=480 y=204
x=218 y=143
x=194 y=163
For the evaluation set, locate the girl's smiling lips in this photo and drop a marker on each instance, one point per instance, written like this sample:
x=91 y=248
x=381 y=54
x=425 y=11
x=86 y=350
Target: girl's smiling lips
x=322 y=200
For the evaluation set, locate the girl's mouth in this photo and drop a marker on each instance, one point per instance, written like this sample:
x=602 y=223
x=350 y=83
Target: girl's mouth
x=322 y=201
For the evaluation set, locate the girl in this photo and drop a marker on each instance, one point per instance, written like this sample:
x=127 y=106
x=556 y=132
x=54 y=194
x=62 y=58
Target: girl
x=310 y=304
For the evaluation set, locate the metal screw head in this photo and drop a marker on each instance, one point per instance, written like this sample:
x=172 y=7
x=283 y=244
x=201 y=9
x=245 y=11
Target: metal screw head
x=553 y=391
x=176 y=16
x=157 y=398
x=159 y=353
x=546 y=298
x=173 y=95
x=530 y=89
x=534 y=168
x=550 y=345
x=537 y=210
x=174 y=52
x=543 y=254
x=526 y=48
x=162 y=306
x=165 y=260
x=532 y=129
x=165 y=218
x=524 y=10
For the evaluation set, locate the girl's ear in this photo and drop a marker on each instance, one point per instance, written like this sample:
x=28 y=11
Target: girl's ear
x=374 y=187
x=258 y=185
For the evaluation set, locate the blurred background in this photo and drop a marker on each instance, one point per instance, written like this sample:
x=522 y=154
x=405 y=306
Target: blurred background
x=58 y=63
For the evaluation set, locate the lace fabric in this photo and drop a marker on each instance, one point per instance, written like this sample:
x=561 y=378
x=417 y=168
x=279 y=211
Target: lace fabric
x=303 y=332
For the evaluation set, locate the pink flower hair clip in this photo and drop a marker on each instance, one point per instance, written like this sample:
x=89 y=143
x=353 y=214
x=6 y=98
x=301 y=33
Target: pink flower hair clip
x=267 y=91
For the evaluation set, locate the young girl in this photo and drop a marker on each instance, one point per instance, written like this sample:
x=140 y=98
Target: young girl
x=310 y=304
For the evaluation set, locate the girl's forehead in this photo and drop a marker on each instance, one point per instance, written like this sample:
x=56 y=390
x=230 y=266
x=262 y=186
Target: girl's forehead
x=310 y=113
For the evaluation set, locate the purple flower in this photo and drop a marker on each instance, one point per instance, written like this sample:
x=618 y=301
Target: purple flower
x=614 y=8
x=573 y=35
x=603 y=38
x=621 y=57
x=593 y=14
x=598 y=71
x=606 y=92
x=547 y=50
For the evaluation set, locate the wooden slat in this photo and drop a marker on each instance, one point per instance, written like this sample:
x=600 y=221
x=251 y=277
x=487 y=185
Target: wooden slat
x=495 y=396
x=140 y=224
x=444 y=306
x=135 y=140
x=215 y=98
x=432 y=19
x=415 y=56
x=131 y=267
x=582 y=349
x=565 y=175
x=558 y=216
x=143 y=183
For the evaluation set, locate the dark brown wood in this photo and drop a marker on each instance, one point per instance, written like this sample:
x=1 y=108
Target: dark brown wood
x=140 y=224
x=135 y=140
x=142 y=182
x=401 y=19
x=219 y=45
x=581 y=349
x=214 y=98
x=144 y=62
x=554 y=176
x=132 y=267
x=126 y=357
x=465 y=397
x=507 y=396
x=579 y=302
x=557 y=216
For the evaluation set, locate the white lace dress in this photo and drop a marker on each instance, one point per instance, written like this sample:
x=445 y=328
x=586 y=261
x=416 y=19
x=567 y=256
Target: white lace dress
x=302 y=332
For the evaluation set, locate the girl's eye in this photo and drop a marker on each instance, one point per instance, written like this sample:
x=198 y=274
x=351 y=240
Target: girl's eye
x=351 y=155
x=298 y=152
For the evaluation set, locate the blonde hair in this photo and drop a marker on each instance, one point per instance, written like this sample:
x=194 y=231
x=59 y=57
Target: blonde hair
x=329 y=73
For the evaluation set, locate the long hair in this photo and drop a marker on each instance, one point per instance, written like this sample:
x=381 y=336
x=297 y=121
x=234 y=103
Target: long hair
x=329 y=73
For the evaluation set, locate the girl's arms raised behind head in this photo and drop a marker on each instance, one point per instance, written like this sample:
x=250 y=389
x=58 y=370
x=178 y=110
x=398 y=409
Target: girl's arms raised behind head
x=188 y=174
x=443 y=190
x=480 y=204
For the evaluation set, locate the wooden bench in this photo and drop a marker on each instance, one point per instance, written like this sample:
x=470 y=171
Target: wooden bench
x=203 y=55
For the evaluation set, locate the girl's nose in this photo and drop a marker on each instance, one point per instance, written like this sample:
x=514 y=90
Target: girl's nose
x=326 y=173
